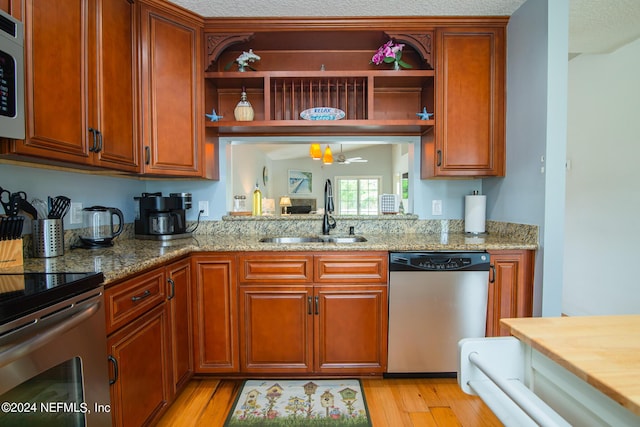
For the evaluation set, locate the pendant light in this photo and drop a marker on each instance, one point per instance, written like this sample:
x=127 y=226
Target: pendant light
x=327 y=158
x=315 y=151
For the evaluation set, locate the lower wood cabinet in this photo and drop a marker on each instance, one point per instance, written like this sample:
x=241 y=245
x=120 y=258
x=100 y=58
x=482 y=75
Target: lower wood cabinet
x=149 y=338
x=510 y=288
x=180 y=322
x=350 y=329
x=290 y=324
x=215 y=318
x=141 y=374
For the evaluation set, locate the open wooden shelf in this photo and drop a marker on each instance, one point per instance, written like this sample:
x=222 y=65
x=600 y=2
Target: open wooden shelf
x=374 y=101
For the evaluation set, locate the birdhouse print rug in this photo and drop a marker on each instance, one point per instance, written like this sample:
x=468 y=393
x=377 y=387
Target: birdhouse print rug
x=300 y=403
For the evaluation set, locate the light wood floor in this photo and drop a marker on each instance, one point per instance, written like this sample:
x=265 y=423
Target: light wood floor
x=391 y=402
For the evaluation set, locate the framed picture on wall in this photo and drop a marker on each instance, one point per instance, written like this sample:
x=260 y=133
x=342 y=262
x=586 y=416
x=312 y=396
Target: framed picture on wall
x=300 y=182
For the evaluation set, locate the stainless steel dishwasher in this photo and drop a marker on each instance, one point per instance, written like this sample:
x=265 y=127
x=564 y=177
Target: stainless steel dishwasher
x=435 y=299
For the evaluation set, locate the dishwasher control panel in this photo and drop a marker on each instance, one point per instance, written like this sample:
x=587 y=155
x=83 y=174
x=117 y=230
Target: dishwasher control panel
x=438 y=261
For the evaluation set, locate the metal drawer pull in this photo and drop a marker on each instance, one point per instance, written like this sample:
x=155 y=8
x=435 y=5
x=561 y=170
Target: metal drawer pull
x=115 y=369
x=144 y=295
x=172 y=294
x=317 y=304
x=309 y=310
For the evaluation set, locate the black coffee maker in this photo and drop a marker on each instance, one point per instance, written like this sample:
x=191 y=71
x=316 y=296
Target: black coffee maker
x=162 y=218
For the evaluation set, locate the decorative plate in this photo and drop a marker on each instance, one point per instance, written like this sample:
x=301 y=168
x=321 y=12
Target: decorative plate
x=322 y=113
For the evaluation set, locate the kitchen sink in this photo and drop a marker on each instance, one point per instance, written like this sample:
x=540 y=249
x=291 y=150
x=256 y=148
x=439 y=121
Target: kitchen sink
x=314 y=239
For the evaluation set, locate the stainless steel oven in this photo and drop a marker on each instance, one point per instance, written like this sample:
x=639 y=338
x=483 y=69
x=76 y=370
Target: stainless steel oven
x=53 y=351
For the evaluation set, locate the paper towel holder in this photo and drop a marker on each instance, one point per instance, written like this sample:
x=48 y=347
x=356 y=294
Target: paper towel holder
x=475 y=215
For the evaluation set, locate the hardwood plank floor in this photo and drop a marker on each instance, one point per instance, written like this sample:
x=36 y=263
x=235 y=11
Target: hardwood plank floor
x=411 y=402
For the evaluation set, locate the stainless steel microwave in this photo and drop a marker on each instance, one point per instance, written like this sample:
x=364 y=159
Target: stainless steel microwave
x=12 y=123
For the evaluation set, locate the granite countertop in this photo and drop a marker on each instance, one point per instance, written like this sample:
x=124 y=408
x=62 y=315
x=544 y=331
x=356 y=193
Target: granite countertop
x=603 y=351
x=129 y=256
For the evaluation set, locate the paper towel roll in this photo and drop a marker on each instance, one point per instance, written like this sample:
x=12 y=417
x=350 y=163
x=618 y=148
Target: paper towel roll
x=475 y=209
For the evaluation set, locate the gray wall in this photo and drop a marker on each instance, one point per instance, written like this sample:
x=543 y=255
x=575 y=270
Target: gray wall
x=603 y=197
x=533 y=191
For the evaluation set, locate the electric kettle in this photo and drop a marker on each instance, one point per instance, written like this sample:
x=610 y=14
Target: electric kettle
x=99 y=229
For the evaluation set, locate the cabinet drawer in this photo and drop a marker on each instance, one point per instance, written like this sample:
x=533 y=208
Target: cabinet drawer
x=276 y=268
x=130 y=299
x=351 y=267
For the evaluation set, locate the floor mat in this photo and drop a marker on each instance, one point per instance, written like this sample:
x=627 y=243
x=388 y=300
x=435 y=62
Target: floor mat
x=338 y=402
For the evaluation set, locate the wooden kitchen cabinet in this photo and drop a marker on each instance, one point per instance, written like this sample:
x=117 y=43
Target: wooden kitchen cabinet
x=171 y=87
x=140 y=371
x=180 y=322
x=276 y=329
x=80 y=97
x=149 y=334
x=215 y=314
x=322 y=313
x=350 y=329
x=469 y=134
x=510 y=288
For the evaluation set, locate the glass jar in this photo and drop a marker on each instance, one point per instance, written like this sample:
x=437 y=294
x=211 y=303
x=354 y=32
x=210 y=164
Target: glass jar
x=239 y=203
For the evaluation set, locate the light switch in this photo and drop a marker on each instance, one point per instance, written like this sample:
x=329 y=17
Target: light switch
x=76 y=213
x=436 y=207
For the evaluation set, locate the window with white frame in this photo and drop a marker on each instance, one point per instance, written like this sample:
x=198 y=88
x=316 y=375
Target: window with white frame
x=357 y=195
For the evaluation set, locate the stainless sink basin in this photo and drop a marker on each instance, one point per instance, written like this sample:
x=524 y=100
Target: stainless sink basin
x=344 y=239
x=314 y=239
x=291 y=240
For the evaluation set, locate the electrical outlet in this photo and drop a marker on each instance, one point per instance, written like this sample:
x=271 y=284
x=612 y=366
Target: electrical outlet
x=76 y=213
x=204 y=206
x=436 y=207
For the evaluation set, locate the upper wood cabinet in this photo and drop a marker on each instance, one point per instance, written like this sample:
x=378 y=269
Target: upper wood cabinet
x=469 y=134
x=171 y=82
x=80 y=83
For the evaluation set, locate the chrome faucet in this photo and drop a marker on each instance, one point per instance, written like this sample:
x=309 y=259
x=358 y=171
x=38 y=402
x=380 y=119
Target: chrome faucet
x=327 y=221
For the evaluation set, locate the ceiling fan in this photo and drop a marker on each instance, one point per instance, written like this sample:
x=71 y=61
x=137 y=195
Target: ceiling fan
x=342 y=160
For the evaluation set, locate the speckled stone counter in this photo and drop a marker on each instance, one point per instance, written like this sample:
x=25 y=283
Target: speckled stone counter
x=129 y=256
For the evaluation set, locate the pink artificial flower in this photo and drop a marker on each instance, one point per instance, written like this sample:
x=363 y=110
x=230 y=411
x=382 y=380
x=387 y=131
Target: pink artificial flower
x=387 y=50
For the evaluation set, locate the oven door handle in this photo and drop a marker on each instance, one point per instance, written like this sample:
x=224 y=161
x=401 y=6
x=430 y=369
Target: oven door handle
x=19 y=350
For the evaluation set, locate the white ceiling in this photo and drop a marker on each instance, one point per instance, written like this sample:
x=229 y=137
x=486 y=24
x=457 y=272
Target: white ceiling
x=595 y=26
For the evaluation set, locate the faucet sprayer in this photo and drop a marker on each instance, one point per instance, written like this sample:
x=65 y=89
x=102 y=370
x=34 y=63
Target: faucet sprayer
x=327 y=221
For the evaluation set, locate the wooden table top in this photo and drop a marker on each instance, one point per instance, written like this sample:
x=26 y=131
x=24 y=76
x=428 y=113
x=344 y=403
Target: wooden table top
x=604 y=351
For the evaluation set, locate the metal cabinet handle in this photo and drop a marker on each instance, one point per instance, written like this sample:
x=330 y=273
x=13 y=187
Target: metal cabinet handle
x=99 y=146
x=94 y=145
x=439 y=163
x=317 y=301
x=172 y=293
x=492 y=278
x=143 y=295
x=147 y=155
x=309 y=309
x=113 y=360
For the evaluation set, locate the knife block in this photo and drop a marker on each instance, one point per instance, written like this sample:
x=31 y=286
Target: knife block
x=11 y=253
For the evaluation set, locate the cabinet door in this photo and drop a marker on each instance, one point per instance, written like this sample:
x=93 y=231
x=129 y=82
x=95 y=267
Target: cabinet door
x=140 y=369
x=171 y=94
x=215 y=314
x=57 y=80
x=180 y=325
x=469 y=137
x=114 y=96
x=511 y=291
x=350 y=329
x=276 y=327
